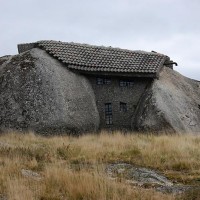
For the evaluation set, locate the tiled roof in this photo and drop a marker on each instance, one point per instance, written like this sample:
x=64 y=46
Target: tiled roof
x=103 y=59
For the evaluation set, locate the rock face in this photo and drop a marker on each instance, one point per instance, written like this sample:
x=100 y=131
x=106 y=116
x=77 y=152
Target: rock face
x=171 y=104
x=31 y=174
x=144 y=177
x=139 y=176
x=38 y=93
x=4 y=59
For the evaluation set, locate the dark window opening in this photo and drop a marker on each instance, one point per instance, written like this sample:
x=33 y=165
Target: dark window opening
x=126 y=83
x=108 y=108
x=99 y=81
x=199 y=106
x=106 y=81
x=103 y=81
x=108 y=113
x=123 y=107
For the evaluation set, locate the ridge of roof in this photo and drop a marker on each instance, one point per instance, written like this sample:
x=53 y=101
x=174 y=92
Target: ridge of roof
x=99 y=46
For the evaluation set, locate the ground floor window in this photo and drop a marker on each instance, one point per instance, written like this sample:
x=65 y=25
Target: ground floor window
x=108 y=113
x=109 y=119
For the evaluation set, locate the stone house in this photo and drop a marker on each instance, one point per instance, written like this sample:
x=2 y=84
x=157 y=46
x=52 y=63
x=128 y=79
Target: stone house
x=119 y=77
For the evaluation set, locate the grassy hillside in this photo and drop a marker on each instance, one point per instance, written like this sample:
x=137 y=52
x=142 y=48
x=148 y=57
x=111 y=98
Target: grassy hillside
x=73 y=167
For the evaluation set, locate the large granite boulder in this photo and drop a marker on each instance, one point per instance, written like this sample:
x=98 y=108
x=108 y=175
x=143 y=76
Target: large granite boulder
x=172 y=103
x=39 y=93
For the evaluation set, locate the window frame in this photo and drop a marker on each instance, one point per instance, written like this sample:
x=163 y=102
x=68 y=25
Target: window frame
x=103 y=81
x=126 y=83
x=108 y=113
x=108 y=108
x=109 y=119
x=99 y=81
x=123 y=107
x=107 y=81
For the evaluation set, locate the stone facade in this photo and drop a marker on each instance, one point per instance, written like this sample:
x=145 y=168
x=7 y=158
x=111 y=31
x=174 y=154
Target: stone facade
x=25 y=47
x=122 y=98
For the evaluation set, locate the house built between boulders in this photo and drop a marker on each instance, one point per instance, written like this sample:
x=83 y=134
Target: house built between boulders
x=61 y=87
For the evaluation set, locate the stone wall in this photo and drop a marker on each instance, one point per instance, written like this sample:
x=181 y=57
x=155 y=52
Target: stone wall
x=25 y=47
x=114 y=93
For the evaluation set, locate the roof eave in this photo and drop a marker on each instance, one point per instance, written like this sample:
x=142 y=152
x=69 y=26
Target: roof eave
x=119 y=74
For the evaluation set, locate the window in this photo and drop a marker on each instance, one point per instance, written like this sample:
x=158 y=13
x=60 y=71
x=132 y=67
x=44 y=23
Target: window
x=106 y=81
x=108 y=113
x=109 y=120
x=122 y=83
x=126 y=83
x=99 y=81
x=103 y=81
x=123 y=107
x=108 y=108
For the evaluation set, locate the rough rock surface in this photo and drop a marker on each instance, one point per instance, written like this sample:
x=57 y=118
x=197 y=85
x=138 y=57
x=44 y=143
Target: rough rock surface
x=140 y=176
x=4 y=59
x=2 y=197
x=144 y=177
x=31 y=174
x=171 y=104
x=38 y=93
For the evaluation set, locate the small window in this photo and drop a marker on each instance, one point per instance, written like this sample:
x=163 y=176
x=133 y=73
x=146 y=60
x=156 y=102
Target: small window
x=129 y=83
x=107 y=81
x=122 y=83
x=99 y=81
x=103 y=81
x=123 y=107
x=126 y=83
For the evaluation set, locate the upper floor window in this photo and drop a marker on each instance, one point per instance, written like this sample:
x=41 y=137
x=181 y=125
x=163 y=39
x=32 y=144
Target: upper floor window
x=123 y=107
x=103 y=81
x=99 y=81
x=126 y=83
x=107 y=81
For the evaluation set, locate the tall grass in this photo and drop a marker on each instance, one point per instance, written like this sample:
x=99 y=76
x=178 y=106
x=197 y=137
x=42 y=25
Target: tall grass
x=73 y=167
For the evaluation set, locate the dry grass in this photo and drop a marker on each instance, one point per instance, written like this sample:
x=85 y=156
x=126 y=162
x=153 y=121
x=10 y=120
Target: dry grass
x=73 y=167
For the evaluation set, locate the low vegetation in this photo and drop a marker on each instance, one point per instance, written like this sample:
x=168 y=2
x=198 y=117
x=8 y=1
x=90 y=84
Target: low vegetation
x=74 y=167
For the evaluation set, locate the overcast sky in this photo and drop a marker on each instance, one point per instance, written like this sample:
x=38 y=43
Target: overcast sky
x=171 y=27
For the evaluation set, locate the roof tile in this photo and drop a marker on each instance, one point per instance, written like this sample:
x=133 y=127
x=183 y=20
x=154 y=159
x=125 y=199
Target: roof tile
x=99 y=58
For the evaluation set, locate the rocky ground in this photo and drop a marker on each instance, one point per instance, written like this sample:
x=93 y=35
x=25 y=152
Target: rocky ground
x=144 y=177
